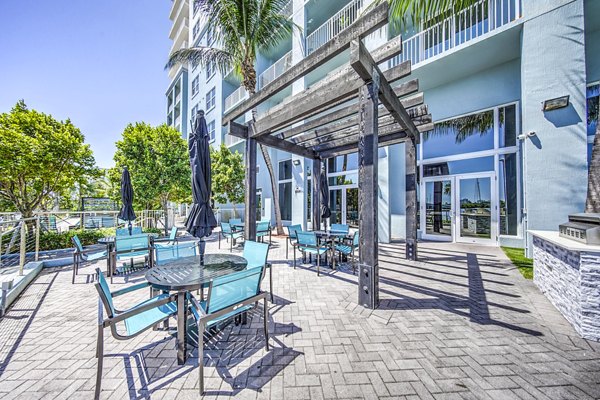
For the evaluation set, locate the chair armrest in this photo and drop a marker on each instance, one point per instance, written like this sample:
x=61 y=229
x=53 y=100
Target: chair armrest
x=130 y=289
x=138 y=310
x=166 y=239
x=196 y=308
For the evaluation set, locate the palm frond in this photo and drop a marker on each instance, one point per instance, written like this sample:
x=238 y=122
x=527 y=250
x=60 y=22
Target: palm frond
x=405 y=12
x=201 y=56
x=463 y=127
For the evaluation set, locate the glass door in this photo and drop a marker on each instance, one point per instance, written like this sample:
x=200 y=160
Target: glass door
x=438 y=210
x=336 y=202
x=476 y=222
x=351 y=205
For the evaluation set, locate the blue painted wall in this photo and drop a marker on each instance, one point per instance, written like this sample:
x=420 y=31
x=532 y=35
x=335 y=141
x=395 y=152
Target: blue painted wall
x=555 y=159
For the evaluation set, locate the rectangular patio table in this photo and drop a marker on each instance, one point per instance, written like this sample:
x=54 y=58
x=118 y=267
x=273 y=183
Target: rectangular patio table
x=188 y=274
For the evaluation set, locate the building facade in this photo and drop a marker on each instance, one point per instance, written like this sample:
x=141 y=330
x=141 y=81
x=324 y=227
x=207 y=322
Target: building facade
x=495 y=165
x=177 y=92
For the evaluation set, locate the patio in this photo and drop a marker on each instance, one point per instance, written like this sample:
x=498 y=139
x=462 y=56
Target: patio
x=459 y=323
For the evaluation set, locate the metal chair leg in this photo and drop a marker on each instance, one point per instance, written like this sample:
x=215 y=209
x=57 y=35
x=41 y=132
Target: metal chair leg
x=318 y=263
x=271 y=281
x=100 y=356
x=265 y=323
x=219 y=239
x=74 y=268
x=286 y=248
x=201 y=356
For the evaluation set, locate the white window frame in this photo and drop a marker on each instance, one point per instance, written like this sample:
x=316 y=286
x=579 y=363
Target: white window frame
x=210 y=72
x=212 y=133
x=196 y=86
x=279 y=181
x=214 y=99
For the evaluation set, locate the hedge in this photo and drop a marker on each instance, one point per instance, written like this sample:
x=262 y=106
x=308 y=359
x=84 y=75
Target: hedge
x=55 y=240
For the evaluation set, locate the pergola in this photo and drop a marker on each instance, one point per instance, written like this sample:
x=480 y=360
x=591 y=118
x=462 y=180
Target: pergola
x=340 y=115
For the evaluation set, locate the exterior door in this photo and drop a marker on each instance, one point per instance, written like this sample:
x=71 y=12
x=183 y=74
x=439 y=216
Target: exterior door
x=437 y=209
x=475 y=210
x=344 y=206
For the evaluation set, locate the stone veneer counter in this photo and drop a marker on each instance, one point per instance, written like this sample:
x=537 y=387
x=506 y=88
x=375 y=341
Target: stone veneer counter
x=568 y=273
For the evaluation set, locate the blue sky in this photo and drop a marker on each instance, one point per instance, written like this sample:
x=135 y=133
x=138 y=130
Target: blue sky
x=99 y=63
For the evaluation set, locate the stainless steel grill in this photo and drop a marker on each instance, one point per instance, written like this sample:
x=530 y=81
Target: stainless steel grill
x=582 y=227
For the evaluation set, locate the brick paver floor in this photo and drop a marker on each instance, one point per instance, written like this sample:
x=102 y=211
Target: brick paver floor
x=460 y=323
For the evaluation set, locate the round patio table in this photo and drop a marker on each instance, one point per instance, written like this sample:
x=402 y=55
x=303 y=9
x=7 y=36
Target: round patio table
x=187 y=274
x=330 y=238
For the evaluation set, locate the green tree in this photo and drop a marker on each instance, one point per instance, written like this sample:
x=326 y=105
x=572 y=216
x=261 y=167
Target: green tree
x=157 y=158
x=40 y=158
x=241 y=28
x=227 y=176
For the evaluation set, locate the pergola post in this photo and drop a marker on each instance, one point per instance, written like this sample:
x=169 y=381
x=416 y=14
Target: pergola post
x=250 y=201
x=316 y=194
x=411 y=199
x=368 y=102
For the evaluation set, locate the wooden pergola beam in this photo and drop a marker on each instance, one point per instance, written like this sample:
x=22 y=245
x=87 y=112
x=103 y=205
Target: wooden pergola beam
x=367 y=69
x=374 y=19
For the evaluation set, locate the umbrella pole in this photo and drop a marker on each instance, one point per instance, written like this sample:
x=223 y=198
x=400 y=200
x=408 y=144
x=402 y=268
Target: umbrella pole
x=129 y=228
x=202 y=246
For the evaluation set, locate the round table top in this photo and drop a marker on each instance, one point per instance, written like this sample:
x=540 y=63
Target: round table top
x=331 y=233
x=111 y=239
x=186 y=274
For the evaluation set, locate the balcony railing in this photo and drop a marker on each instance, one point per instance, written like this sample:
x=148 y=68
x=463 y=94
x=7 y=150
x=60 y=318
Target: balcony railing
x=334 y=25
x=288 y=9
x=278 y=68
x=231 y=140
x=477 y=20
x=234 y=98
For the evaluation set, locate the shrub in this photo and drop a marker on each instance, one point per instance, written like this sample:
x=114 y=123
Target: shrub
x=55 y=240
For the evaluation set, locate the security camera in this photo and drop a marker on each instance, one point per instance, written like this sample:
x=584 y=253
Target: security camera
x=524 y=136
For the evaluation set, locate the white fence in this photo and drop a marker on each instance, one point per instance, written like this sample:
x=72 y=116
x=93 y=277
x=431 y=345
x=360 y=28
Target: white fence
x=463 y=26
x=234 y=98
x=275 y=70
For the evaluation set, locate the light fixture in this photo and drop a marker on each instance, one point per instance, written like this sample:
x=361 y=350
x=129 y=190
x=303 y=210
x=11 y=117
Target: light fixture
x=555 y=104
x=296 y=162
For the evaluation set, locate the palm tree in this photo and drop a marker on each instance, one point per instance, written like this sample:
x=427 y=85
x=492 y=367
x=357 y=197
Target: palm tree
x=241 y=29
x=415 y=11
x=592 y=203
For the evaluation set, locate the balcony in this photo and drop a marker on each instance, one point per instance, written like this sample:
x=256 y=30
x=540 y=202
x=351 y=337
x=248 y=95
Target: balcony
x=288 y=9
x=481 y=18
x=235 y=98
x=231 y=140
x=275 y=70
x=334 y=25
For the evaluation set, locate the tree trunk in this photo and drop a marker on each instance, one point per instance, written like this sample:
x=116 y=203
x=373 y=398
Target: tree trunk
x=165 y=205
x=592 y=203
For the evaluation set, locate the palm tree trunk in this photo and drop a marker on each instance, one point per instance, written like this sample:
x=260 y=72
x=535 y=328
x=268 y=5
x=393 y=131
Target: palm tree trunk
x=592 y=203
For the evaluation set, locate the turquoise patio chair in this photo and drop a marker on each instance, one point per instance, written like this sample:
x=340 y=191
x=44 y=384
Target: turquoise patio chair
x=229 y=234
x=263 y=228
x=348 y=250
x=340 y=228
x=80 y=255
x=308 y=243
x=134 y=320
x=168 y=241
x=292 y=239
x=135 y=230
x=165 y=254
x=256 y=255
x=233 y=221
x=128 y=248
x=229 y=296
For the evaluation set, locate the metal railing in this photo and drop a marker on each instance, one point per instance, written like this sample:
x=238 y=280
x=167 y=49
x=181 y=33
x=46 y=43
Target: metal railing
x=334 y=25
x=236 y=97
x=231 y=140
x=288 y=9
x=19 y=242
x=477 y=20
x=275 y=70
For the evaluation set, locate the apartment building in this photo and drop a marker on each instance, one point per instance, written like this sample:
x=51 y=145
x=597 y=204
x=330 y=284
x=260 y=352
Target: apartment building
x=499 y=162
x=177 y=92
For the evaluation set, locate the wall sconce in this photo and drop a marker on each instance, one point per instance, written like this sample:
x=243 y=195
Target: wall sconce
x=296 y=162
x=298 y=189
x=555 y=104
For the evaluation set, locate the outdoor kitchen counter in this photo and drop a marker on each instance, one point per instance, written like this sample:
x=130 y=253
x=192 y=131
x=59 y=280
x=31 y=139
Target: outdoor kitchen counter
x=568 y=273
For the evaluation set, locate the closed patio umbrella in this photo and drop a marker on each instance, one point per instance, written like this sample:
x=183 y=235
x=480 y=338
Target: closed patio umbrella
x=201 y=218
x=325 y=210
x=126 y=213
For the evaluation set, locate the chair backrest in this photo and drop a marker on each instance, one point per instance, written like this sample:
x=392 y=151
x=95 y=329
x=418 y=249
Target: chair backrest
x=255 y=253
x=234 y=288
x=355 y=239
x=77 y=243
x=306 y=238
x=340 y=228
x=133 y=242
x=292 y=229
x=135 y=230
x=262 y=226
x=225 y=227
x=235 y=221
x=165 y=254
x=108 y=222
x=104 y=292
x=173 y=234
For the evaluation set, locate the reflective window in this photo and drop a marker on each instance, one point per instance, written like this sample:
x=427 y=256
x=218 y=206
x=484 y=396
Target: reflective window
x=285 y=170
x=507 y=126
x=285 y=200
x=466 y=134
x=508 y=194
x=308 y=201
x=211 y=130
x=210 y=99
x=339 y=180
x=347 y=162
x=593 y=96
x=195 y=86
x=480 y=164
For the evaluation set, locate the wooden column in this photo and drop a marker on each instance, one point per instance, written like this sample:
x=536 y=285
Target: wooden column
x=411 y=199
x=368 y=102
x=250 y=201
x=316 y=194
